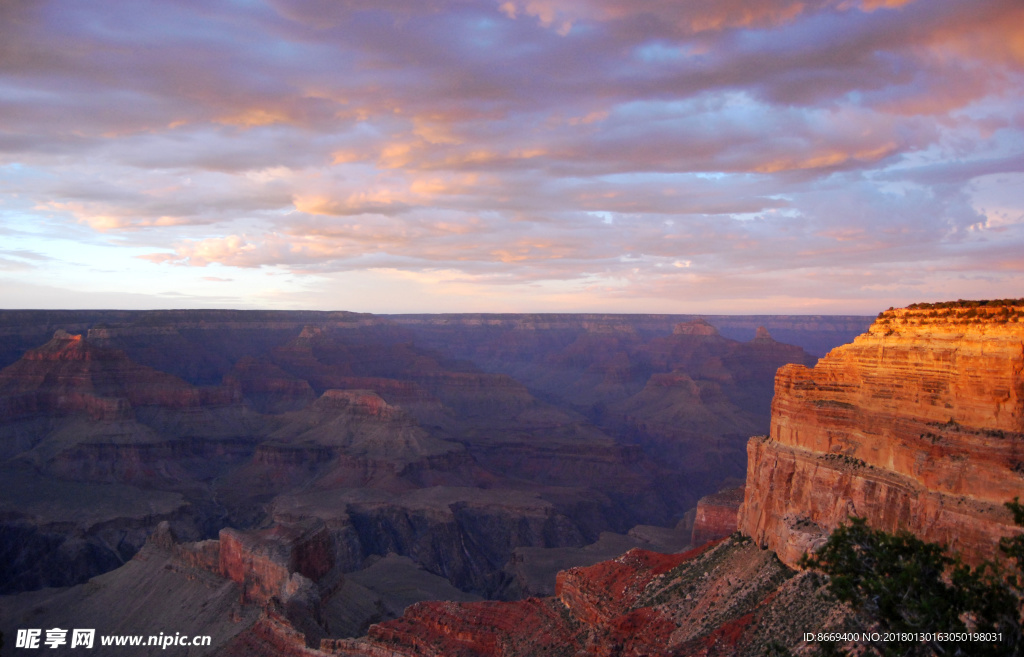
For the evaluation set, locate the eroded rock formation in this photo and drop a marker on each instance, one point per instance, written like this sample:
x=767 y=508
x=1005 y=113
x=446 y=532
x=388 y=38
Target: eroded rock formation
x=717 y=516
x=918 y=425
x=70 y=374
x=264 y=562
x=729 y=598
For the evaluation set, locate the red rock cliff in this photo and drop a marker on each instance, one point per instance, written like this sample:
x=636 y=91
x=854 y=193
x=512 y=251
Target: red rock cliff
x=915 y=425
x=716 y=516
x=263 y=561
x=729 y=599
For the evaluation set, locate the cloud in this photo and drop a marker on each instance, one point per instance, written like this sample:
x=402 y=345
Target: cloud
x=24 y=254
x=528 y=142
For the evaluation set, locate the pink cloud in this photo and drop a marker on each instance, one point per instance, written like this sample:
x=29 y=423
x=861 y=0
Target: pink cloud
x=522 y=141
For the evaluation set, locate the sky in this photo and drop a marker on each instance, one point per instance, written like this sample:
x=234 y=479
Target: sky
x=408 y=156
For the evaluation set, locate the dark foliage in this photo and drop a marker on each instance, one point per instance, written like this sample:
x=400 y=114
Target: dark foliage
x=962 y=303
x=907 y=588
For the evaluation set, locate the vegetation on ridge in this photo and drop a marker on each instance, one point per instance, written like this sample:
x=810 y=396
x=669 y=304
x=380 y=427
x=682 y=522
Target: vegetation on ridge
x=966 y=303
x=909 y=590
x=998 y=311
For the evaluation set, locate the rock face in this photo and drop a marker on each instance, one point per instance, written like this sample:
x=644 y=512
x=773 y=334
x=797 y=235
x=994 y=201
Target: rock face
x=463 y=534
x=694 y=327
x=70 y=374
x=717 y=516
x=263 y=562
x=918 y=425
x=762 y=336
x=48 y=541
x=154 y=591
x=729 y=598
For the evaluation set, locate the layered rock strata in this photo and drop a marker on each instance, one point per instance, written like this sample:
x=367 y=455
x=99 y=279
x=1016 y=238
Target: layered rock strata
x=154 y=592
x=264 y=562
x=717 y=516
x=70 y=374
x=729 y=598
x=917 y=425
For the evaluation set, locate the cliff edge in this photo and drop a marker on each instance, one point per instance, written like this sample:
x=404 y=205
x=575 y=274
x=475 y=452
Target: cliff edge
x=916 y=425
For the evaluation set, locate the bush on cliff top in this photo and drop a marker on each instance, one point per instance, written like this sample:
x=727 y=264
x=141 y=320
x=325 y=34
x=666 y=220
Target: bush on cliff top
x=966 y=303
x=905 y=585
x=960 y=311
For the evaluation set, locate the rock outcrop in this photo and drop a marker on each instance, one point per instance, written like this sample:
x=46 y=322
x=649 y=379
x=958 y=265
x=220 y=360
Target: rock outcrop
x=762 y=336
x=153 y=592
x=70 y=374
x=57 y=533
x=264 y=562
x=694 y=327
x=463 y=534
x=717 y=516
x=76 y=410
x=918 y=425
x=729 y=598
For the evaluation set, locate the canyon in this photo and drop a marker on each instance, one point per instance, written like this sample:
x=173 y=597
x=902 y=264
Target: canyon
x=446 y=448
x=915 y=426
x=435 y=485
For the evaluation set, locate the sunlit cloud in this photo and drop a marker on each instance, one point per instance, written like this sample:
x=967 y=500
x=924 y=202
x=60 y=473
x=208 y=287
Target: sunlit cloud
x=796 y=155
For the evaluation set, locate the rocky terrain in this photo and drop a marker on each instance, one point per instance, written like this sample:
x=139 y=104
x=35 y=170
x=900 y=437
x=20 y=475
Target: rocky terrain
x=326 y=470
x=729 y=598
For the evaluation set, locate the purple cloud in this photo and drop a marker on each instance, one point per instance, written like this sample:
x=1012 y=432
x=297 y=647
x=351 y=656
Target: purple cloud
x=651 y=148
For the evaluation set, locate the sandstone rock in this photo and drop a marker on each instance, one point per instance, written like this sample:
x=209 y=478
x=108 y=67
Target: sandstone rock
x=917 y=425
x=359 y=423
x=695 y=327
x=762 y=336
x=264 y=561
x=204 y=555
x=395 y=425
x=70 y=374
x=80 y=411
x=446 y=629
x=533 y=571
x=272 y=635
x=716 y=516
x=596 y=594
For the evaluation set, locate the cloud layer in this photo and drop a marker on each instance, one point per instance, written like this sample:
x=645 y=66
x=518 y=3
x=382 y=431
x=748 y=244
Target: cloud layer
x=754 y=156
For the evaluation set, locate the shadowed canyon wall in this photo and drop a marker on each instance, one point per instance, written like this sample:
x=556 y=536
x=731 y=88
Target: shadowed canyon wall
x=331 y=459
x=453 y=440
